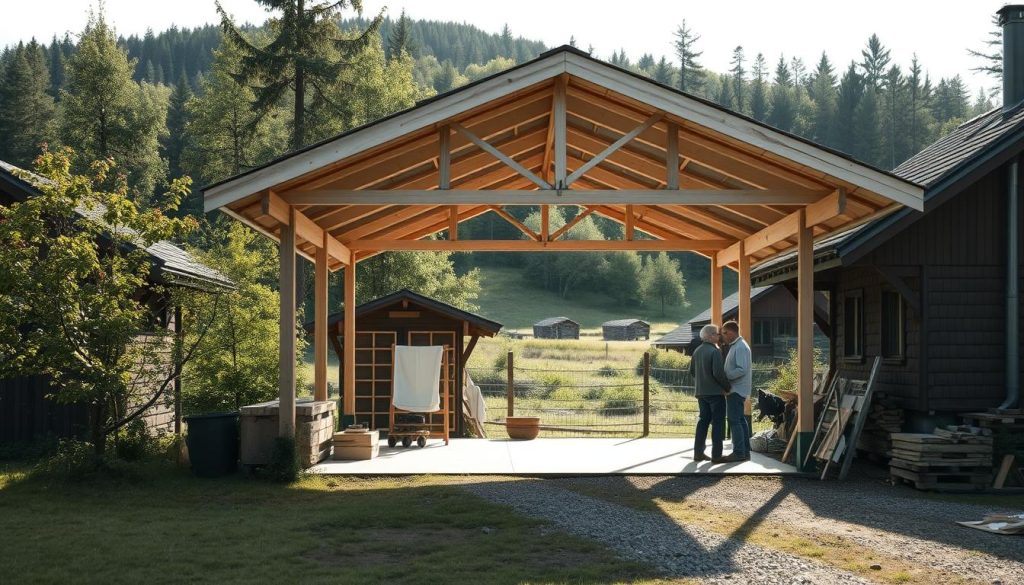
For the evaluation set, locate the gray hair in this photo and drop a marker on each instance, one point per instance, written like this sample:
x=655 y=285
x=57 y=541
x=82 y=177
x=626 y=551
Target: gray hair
x=707 y=331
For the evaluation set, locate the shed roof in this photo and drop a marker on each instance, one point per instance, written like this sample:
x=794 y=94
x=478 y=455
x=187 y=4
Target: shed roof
x=944 y=167
x=623 y=323
x=169 y=258
x=554 y=321
x=478 y=325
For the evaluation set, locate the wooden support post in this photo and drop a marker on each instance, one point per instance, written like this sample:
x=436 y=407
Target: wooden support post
x=545 y=228
x=286 y=376
x=716 y=291
x=320 y=323
x=559 y=111
x=453 y=223
x=647 y=393
x=672 y=157
x=805 y=340
x=444 y=158
x=510 y=386
x=630 y=223
x=746 y=320
x=349 y=345
x=179 y=341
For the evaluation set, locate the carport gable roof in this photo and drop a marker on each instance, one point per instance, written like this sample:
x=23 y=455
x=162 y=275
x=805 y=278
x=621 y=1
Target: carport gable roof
x=724 y=157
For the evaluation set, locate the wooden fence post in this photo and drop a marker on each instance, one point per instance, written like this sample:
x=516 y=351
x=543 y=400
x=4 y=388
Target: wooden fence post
x=510 y=387
x=647 y=393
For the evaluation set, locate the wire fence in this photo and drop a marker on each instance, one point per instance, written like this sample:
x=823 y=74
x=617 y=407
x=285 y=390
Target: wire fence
x=600 y=402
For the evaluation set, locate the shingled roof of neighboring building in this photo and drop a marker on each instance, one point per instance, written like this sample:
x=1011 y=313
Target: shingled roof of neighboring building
x=168 y=257
x=683 y=334
x=944 y=168
x=553 y=321
x=623 y=322
x=482 y=325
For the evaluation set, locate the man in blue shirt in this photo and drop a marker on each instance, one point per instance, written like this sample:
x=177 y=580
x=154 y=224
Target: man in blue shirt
x=738 y=369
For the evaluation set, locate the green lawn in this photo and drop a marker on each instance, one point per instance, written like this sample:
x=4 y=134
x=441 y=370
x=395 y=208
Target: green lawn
x=168 y=527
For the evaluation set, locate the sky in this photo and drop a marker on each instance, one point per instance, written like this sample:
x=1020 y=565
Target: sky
x=939 y=32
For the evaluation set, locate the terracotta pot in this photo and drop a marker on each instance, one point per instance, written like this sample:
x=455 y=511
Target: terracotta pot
x=522 y=427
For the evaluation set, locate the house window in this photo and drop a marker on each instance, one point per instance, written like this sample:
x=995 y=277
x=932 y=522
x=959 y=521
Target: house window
x=785 y=327
x=894 y=326
x=762 y=332
x=853 y=325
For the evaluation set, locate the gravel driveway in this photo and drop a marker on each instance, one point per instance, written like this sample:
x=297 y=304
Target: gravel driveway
x=897 y=522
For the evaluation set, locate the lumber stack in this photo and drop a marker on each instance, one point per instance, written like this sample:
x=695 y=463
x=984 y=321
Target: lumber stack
x=885 y=419
x=955 y=458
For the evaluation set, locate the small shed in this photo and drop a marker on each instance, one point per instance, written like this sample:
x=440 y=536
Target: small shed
x=404 y=318
x=556 y=328
x=626 y=330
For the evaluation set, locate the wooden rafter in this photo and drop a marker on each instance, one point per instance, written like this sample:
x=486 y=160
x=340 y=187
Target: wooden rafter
x=305 y=228
x=571 y=224
x=515 y=222
x=501 y=156
x=651 y=121
x=538 y=246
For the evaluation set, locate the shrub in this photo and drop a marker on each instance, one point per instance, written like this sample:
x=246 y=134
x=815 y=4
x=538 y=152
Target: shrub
x=788 y=376
x=284 y=461
x=548 y=382
x=667 y=366
x=133 y=443
x=73 y=460
x=610 y=372
x=622 y=401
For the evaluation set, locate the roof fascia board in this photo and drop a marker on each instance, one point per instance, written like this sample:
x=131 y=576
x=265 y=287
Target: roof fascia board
x=414 y=119
x=656 y=96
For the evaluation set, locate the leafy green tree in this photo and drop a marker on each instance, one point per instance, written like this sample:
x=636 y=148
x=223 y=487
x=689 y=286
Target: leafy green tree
x=237 y=362
x=105 y=114
x=26 y=109
x=226 y=136
x=427 y=273
x=691 y=74
x=621 y=272
x=73 y=268
x=563 y=272
x=305 y=57
x=662 y=281
x=496 y=65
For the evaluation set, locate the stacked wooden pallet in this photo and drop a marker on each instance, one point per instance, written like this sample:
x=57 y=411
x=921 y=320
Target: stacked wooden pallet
x=950 y=459
x=884 y=419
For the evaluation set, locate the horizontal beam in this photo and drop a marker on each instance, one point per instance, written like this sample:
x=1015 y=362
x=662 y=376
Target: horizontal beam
x=556 y=197
x=305 y=228
x=816 y=213
x=536 y=246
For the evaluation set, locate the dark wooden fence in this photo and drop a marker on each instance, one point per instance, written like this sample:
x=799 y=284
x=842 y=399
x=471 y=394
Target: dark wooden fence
x=26 y=413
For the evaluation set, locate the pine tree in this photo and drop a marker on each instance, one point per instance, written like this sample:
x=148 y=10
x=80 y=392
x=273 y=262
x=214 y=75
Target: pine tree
x=663 y=72
x=848 y=98
x=690 y=72
x=400 y=38
x=919 y=93
x=724 y=96
x=875 y=63
x=866 y=132
x=105 y=114
x=896 y=118
x=507 y=43
x=26 y=109
x=991 y=56
x=759 y=90
x=305 y=56
x=176 y=124
x=822 y=90
x=782 y=112
x=739 y=80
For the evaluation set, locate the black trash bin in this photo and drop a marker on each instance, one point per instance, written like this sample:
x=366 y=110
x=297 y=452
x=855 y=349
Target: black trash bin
x=213 y=443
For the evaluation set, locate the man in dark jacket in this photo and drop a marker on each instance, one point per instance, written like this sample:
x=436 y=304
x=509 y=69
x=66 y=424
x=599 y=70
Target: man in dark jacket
x=708 y=373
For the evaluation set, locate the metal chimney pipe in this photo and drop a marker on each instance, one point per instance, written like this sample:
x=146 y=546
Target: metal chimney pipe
x=1012 y=291
x=1011 y=18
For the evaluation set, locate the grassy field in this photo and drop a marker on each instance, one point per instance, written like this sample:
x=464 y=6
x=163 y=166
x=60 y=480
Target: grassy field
x=506 y=299
x=165 y=526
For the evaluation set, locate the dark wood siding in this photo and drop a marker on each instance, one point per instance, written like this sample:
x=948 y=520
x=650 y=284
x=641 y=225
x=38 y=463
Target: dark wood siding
x=959 y=250
x=27 y=414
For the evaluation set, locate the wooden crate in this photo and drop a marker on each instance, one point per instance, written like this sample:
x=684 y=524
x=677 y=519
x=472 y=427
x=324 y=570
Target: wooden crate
x=356 y=445
x=314 y=426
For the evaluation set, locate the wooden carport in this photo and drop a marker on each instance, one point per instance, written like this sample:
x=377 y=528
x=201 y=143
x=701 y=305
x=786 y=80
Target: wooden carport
x=679 y=173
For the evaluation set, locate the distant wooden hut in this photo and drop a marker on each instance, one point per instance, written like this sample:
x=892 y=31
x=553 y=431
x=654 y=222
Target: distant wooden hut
x=556 y=328
x=626 y=330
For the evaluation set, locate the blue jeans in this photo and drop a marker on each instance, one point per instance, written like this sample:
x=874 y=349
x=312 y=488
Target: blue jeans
x=712 y=413
x=738 y=424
